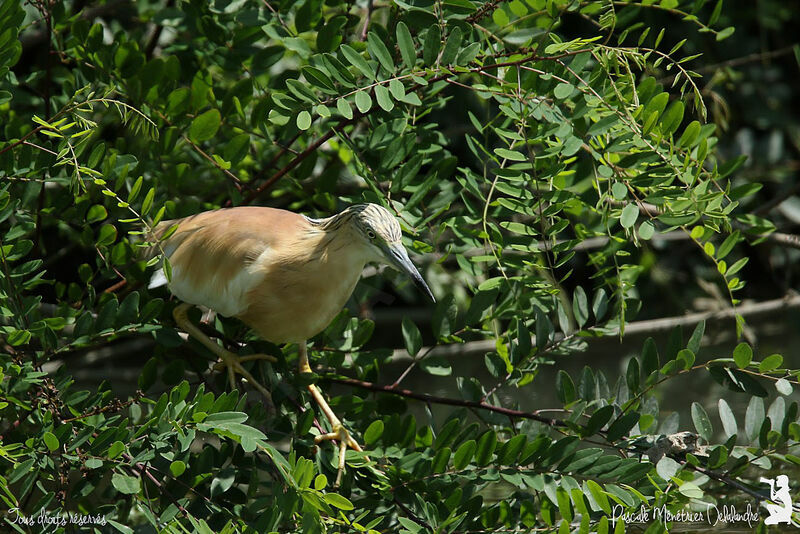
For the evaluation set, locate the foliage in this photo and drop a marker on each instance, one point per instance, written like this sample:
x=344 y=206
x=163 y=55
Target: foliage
x=536 y=153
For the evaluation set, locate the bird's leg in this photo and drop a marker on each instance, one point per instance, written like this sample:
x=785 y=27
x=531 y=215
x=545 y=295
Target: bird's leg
x=231 y=361
x=338 y=431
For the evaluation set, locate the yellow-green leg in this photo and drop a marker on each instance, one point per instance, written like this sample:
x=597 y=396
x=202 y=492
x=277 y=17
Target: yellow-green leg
x=233 y=362
x=338 y=431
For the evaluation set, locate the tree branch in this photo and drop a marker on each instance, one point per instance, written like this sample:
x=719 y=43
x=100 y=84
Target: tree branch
x=300 y=157
x=649 y=326
x=447 y=401
x=750 y=309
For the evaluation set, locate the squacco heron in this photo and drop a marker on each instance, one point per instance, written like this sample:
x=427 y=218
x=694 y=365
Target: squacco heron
x=284 y=275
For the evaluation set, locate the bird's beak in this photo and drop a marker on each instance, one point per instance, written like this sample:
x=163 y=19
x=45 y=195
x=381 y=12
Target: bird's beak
x=397 y=257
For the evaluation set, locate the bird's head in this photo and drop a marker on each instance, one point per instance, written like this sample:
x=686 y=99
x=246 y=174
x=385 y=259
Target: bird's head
x=383 y=237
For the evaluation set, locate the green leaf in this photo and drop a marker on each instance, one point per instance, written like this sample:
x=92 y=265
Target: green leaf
x=96 y=213
x=412 y=337
x=729 y=167
x=149 y=374
x=599 y=495
x=565 y=387
x=342 y=503
x=646 y=230
x=687 y=357
x=358 y=61
x=440 y=460
x=632 y=375
x=363 y=101
x=728 y=419
x=656 y=105
x=742 y=355
x=667 y=468
x=784 y=387
x=374 y=432
x=650 y=360
x=727 y=246
x=563 y=90
x=436 y=365
x=512 y=155
x=304 y=120
x=697 y=337
x=330 y=35
x=320 y=80
x=771 y=362
x=378 y=50
x=464 y=454
x=447 y=433
x=485 y=448
x=406 y=45
x=599 y=419
x=672 y=118
x=147 y=203
x=629 y=215
x=51 y=441
x=223 y=481
x=344 y=108
x=177 y=468
x=451 y=46
x=580 y=306
x=93 y=463
x=126 y=484
x=701 y=421
x=383 y=98
x=468 y=54
x=508 y=454
x=724 y=34
x=432 y=45
x=754 y=417
x=107 y=235
x=135 y=189
x=178 y=102
x=205 y=126
x=397 y=89
x=690 y=134
x=600 y=304
x=621 y=426
x=116 y=449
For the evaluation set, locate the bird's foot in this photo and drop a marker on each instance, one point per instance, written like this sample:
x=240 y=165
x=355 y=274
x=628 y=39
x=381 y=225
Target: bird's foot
x=345 y=440
x=233 y=363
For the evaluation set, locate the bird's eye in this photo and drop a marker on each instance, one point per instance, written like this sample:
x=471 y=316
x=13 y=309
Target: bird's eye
x=370 y=234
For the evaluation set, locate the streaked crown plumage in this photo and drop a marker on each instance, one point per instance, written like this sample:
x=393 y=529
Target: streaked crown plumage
x=368 y=218
x=377 y=219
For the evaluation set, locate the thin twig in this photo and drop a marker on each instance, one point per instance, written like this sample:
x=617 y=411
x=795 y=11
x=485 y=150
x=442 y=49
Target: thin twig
x=411 y=515
x=299 y=158
x=235 y=179
x=448 y=401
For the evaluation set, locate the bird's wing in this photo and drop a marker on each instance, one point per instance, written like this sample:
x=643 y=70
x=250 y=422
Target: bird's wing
x=215 y=255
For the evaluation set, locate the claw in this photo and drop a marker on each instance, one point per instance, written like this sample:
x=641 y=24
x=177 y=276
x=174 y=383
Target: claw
x=228 y=359
x=338 y=431
x=341 y=435
x=233 y=363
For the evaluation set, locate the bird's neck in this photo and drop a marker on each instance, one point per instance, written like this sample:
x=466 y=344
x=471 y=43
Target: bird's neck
x=330 y=242
x=334 y=223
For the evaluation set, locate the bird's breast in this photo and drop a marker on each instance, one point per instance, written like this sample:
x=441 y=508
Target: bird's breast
x=300 y=294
